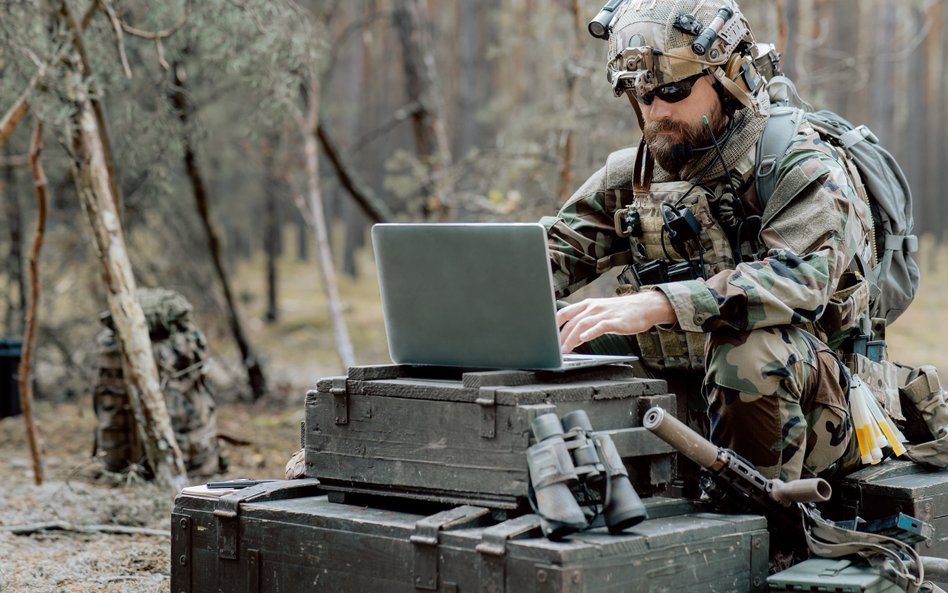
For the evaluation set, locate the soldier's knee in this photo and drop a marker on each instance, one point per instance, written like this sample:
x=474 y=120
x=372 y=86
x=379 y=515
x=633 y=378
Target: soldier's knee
x=761 y=362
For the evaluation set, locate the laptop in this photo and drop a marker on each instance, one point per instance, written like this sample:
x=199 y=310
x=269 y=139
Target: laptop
x=476 y=295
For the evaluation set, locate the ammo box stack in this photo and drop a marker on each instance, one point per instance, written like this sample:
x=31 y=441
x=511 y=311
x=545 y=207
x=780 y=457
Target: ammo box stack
x=417 y=482
x=446 y=436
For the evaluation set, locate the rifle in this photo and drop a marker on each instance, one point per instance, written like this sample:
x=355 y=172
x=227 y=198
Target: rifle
x=732 y=478
x=736 y=480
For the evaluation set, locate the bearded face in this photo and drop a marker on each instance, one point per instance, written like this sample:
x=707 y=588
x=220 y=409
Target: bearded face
x=672 y=141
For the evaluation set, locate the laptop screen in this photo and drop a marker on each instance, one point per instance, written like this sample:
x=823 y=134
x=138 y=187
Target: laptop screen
x=467 y=295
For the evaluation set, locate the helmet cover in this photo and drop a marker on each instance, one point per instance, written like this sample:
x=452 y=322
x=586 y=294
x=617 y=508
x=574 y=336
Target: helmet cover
x=652 y=44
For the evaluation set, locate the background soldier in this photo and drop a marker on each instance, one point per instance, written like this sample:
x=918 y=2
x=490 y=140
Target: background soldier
x=753 y=301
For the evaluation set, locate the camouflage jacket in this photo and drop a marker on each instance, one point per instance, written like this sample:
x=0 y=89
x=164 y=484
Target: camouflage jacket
x=809 y=241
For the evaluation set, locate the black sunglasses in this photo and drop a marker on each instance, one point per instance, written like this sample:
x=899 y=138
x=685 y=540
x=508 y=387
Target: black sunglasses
x=672 y=92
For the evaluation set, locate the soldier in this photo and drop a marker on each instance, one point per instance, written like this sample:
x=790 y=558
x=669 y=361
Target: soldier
x=753 y=300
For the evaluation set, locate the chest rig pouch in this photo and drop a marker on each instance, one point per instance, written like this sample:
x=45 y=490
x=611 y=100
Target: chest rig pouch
x=673 y=236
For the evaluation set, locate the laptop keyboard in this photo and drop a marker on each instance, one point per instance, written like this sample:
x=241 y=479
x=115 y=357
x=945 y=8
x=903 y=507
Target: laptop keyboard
x=581 y=360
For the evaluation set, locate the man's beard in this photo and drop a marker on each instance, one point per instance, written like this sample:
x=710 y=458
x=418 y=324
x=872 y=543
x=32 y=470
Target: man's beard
x=673 y=151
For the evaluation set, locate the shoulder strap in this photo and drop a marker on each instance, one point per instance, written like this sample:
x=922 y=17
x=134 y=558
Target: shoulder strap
x=782 y=126
x=620 y=167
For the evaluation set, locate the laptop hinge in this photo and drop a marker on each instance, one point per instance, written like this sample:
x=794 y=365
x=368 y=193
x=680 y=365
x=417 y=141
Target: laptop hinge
x=487 y=399
x=340 y=396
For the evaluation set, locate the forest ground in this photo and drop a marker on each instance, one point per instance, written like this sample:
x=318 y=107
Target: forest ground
x=299 y=350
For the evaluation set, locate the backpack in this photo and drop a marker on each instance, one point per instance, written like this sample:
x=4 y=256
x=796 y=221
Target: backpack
x=180 y=351
x=878 y=179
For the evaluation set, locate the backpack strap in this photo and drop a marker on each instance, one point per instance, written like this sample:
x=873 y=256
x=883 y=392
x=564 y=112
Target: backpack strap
x=620 y=167
x=782 y=126
x=857 y=135
x=618 y=178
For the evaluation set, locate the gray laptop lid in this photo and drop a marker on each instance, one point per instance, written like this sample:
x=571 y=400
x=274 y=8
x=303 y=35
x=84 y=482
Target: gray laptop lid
x=467 y=295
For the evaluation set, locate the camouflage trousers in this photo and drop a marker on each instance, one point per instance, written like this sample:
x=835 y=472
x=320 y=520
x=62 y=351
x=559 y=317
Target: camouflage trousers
x=779 y=398
x=776 y=396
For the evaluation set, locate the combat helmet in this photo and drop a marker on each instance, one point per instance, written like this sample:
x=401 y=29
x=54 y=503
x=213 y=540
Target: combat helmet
x=656 y=42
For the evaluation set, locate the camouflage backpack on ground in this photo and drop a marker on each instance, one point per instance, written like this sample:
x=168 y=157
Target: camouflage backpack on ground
x=180 y=351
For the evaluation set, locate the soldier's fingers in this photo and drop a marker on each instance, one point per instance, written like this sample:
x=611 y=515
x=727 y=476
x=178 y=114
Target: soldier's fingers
x=599 y=328
x=572 y=334
x=569 y=312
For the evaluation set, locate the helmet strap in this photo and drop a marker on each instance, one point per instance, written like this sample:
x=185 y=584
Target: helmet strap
x=644 y=161
x=638 y=110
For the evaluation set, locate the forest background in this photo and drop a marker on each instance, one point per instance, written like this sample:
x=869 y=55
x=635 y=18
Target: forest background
x=250 y=144
x=419 y=110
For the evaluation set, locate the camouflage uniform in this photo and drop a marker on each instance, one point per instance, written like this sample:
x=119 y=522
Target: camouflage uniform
x=776 y=393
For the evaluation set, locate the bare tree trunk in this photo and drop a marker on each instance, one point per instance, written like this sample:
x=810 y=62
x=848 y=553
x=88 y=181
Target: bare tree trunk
x=302 y=238
x=861 y=15
x=355 y=238
x=25 y=370
x=270 y=248
x=271 y=228
x=910 y=127
x=310 y=130
x=781 y=7
x=95 y=186
x=179 y=100
x=882 y=100
x=20 y=107
x=98 y=108
x=375 y=210
x=140 y=372
x=421 y=81
x=935 y=114
x=470 y=91
x=572 y=75
x=13 y=318
x=790 y=47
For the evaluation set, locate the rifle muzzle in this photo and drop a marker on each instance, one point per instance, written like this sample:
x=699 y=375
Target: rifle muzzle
x=804 y=490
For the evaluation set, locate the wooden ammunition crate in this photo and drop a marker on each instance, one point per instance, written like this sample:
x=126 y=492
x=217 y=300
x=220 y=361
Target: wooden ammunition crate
x=897 y=486
x=283 y=537
x=447 y=435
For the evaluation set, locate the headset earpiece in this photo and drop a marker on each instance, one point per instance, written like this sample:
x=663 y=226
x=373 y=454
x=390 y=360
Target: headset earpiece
x=740 y=79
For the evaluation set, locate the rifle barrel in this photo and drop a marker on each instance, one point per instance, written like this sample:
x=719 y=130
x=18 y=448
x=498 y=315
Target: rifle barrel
x=689 y=443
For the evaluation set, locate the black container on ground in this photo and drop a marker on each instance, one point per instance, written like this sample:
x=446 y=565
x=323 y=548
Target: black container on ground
x=10 y=349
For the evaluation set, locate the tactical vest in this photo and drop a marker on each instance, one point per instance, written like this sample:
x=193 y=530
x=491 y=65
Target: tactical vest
x=650 y=221
x=725 y=234
x=180 y=352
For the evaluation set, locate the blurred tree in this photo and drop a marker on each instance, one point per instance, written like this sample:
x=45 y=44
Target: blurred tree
x=571 y=76
x=272 y=231
x=94 y=174
x=179 y=99
x=421 y=81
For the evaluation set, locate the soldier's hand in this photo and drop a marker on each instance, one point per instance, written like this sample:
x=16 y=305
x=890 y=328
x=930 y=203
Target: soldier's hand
x=626 y=315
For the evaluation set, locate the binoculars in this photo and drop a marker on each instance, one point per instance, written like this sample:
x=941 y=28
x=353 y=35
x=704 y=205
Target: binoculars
x=577 y=478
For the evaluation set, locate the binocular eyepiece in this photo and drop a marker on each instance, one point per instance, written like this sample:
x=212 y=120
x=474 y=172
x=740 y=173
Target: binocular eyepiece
x=599 y=26
x=577 y=476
